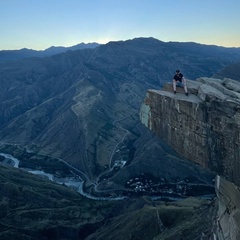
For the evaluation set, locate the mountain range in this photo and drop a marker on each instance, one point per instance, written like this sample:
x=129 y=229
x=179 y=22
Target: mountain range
x=10 y=55
x=82 y=107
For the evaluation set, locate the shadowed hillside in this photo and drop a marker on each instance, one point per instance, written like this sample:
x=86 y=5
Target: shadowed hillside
x=34 y=208
x=231 y=71
x=37 y=209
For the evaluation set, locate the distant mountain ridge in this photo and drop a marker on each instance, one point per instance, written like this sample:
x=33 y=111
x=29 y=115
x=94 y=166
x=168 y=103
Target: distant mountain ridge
x=8 y=55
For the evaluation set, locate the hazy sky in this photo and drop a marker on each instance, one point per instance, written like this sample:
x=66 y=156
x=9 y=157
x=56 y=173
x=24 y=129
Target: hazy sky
x=39 y=24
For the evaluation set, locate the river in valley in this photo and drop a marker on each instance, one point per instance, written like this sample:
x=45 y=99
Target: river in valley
x=72 y=182
x=137 y=186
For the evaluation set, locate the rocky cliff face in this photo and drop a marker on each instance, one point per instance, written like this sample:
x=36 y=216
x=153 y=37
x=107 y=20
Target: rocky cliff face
x=204 y=127
x=228 y=221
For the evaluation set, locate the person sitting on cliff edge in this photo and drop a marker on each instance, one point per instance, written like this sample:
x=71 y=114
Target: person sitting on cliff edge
x=179 y=80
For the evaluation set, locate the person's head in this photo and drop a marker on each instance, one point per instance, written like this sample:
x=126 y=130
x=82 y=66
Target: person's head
x=177 y=71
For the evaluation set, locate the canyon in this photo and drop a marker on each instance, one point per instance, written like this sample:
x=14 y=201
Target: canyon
x=76 y=114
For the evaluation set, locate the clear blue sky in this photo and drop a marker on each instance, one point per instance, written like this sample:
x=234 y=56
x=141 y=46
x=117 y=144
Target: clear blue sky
x=39 y=24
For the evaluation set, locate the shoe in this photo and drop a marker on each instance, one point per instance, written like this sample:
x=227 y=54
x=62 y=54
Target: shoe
x=174 y=92
x=186 y=93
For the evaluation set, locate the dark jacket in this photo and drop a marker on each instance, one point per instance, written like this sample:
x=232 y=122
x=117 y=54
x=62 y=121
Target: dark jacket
x=178 y=77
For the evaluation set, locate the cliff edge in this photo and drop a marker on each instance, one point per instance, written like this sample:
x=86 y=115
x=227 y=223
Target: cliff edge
x=204 y=127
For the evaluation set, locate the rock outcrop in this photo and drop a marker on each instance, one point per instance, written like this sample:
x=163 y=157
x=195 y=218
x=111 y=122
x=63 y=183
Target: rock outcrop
x=203 y=127
x=228 y=221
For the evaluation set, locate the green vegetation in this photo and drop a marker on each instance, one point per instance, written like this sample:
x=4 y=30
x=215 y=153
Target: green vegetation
x=186 y=220
x=37 y=209
x=31 y=206
x=34 y=208
x=34 y=161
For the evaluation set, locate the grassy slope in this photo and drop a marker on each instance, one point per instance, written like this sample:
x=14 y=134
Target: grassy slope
x=35 y=208
x=32 y=206
x=183 y=220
